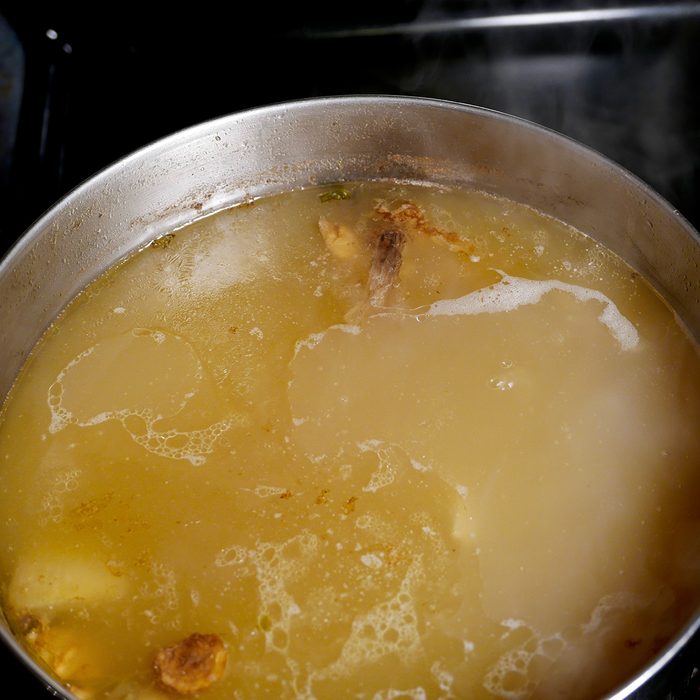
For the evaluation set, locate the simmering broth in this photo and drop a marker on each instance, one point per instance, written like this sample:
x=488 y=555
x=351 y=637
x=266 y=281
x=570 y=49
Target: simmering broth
x=374 y=441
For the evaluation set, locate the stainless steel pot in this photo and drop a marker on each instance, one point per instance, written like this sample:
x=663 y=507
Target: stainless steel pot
x=219 y=163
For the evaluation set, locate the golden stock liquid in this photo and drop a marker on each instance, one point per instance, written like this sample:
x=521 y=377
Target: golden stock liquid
x=484 y=486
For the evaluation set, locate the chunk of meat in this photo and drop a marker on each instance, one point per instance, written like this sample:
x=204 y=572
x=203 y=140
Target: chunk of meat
x=192 y=664
x=340 y=240
x=387 y=256
x=72 y=655
x=386 y=263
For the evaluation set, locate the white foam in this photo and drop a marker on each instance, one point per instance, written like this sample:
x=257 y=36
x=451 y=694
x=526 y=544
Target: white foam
x=310 y=342
x=263 y=491
x=313 y=339
x=444 y=679
x=386 y=470
x=372 y=561
x=52 y=503
x=191 y=445
x=382 y=477
x=195 y=444
x=347 y=328
x=511 y=293
x=419 y=466
x=502 y=384
x=509 y=678
x=60 y=417
x=512 y=624
x=390 y=627
x=417 y=693
x=369 y=445
x=273 y=564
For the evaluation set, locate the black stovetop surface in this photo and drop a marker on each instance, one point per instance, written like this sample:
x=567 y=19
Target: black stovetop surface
x=81 y=88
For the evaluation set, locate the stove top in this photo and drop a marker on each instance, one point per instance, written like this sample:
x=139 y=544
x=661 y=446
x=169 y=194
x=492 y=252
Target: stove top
x=79 y=89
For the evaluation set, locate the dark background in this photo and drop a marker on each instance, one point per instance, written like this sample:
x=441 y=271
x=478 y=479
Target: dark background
x=79 y=89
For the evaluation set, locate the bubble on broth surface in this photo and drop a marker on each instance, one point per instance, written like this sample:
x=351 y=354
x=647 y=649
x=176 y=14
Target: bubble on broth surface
x=52 y=505
x=391 y=627
x=385 y=472
x=528 y=657
x=444 y=679
x=512 y=677
x=274 y=566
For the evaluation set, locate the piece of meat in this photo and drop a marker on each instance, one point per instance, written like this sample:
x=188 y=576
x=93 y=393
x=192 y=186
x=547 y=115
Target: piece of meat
x=386 y=263
x=340 y=240
x=192 y=664
x=411 y=219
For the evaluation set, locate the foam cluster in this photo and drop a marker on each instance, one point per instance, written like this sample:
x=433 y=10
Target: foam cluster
x=391 y=627
x=274 y=564
x=510 y=677
x=511 y=293
x=139 y=419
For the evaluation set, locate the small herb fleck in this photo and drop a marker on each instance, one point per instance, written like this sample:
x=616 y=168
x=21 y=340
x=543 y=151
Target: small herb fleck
x=336 y=193
x=163 y=241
